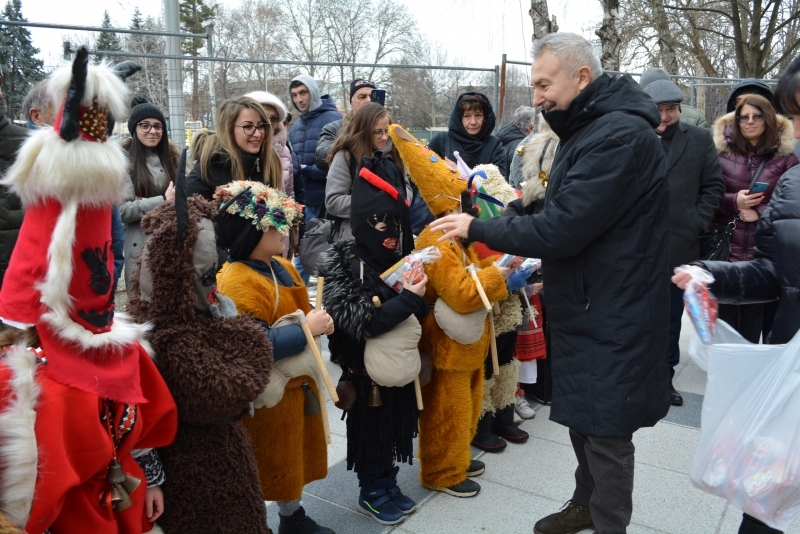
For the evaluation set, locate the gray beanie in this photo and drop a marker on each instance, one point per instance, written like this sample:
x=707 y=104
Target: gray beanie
x=664 y=92
x=651 y=75
x=142 y=111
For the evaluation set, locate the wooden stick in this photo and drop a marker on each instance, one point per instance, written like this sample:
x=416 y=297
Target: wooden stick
x=317 y=356
x=474 y=274
x=320 y=287
x=496 y=308
x=493 y=346
x=417 y=387
x=323 y=405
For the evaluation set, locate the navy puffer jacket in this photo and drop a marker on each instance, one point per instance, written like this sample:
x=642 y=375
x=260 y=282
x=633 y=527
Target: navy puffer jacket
x=304 y=135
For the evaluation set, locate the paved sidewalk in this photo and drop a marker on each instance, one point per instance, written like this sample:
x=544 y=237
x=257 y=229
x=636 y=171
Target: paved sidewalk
x=528 y=481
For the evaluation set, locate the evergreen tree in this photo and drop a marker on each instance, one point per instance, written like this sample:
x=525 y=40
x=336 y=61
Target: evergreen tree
x=136 y=20
x=195 y=16
x=17 y=56
x=107 y=40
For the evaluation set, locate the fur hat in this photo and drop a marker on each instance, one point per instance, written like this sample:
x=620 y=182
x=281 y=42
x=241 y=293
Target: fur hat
x=265 y=98
x=438 y=184
x=60 y=274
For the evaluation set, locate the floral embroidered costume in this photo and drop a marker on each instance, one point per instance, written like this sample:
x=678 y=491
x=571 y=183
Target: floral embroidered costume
x=85 y=395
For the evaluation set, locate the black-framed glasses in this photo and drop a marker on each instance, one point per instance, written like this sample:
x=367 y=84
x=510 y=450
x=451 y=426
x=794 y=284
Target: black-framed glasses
x=757 y=117
x=250 y=129
x=146 y=127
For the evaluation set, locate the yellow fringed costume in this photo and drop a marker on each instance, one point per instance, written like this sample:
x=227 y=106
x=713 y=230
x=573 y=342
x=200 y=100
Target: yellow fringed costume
x=289 y=446
x=454 y=396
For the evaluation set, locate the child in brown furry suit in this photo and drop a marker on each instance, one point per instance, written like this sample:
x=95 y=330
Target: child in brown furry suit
x=214 y=366
x=289 y=437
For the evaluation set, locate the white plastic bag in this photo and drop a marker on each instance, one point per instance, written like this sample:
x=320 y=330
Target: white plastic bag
x=749 y=449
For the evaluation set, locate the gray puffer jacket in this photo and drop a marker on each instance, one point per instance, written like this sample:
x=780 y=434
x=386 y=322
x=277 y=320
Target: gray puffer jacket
x=132 y=211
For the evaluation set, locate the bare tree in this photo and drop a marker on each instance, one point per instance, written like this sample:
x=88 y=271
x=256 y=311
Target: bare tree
x=305 y=22
x=609 y=36
x=542 y=23
x=667 y=57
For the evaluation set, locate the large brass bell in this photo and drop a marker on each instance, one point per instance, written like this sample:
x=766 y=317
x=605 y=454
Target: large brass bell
x=121 y=486
x=131 y=483
x=311 y=404
x=374 y=398
x=116 y=475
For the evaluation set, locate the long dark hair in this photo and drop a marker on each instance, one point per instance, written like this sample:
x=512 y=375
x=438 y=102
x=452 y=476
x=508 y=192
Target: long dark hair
x=787 y=94
x=144 y=186
x=771 y=135
x=356 y=137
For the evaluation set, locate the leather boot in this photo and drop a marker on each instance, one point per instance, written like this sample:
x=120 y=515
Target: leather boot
x=570 y=519
x=503 y=426
x=484 y=439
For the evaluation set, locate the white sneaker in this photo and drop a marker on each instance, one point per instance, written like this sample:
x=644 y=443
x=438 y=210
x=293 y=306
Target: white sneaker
x=523 y=409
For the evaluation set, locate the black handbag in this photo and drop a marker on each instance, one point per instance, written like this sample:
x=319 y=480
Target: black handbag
x=715 y=245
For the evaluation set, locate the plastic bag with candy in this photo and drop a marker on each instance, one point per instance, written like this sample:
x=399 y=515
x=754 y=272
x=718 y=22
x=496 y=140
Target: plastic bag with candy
x=700 y=302
x=410 y=267
x=534 y=264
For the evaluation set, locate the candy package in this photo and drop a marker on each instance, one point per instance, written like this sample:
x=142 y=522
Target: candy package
x=700 y=302
x=410 y=268
x=506 y=260
x=533 y=264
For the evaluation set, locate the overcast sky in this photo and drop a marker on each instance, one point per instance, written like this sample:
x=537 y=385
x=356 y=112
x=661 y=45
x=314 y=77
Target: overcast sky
x=476 y=32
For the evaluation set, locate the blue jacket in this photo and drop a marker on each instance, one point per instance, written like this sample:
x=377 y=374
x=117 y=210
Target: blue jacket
x=304 y=135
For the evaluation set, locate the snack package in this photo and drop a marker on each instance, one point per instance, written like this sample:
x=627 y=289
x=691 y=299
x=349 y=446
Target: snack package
x=506 y=260
x=534 y=264
x=700 y=302
x=410 y=267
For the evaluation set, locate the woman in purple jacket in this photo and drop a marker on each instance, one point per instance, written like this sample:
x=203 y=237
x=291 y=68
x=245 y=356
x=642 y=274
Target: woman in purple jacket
x=750 y=138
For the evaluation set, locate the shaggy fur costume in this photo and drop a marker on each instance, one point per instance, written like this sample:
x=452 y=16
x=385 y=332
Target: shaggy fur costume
x=214 y=368
x=533 y=149
x=289 y=446
x=454 y=396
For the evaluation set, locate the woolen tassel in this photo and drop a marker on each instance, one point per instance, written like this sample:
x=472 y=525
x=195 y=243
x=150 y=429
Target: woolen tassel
x=311 y=405
x=374 y=399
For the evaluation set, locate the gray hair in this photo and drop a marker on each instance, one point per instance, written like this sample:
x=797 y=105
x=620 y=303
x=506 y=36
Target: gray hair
x=524 y=117
x=37 y=98
x=573 y=50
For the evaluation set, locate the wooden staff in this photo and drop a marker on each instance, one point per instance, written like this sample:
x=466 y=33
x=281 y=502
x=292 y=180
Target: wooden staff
x=320 y=287
x=317 y=356
x=323 y=406
x=417 y=387
x=474 y=274
x=493 y=346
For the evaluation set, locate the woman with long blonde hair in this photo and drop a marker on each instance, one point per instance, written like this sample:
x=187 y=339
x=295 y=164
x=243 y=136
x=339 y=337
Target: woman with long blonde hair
x=240 y=149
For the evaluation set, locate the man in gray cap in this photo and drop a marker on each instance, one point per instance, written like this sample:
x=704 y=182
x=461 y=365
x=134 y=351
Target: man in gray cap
x=695 y=190
x=688 y=114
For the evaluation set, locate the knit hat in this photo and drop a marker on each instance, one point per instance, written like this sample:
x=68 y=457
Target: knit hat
x=142 y=111
x=438 y=184
x=265 y=98
x=247 y=210
x=664 y=92
x=60 y=274
x=359 y=83
x=651 y=75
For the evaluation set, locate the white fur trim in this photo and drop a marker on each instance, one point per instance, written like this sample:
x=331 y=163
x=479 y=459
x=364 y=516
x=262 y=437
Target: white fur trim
x=19 y=455
x=110 y=90
x=263 y=97
x=533 y=190
x=496 y=185
x=55 y=292
x=49 y=167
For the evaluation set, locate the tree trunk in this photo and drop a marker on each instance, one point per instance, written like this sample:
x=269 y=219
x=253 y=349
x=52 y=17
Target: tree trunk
x=667 y=58
x=609 y=37
x=542 y=23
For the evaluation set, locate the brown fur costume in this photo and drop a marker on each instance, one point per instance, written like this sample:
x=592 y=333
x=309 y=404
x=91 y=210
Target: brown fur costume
x=454 y=397
x=214 y=368
x=289 y=446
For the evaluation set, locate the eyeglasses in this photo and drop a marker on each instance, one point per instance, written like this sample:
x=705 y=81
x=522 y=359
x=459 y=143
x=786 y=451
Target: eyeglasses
x=146 y=127
x=380 y=133
x=757 y=117
x=250 y=129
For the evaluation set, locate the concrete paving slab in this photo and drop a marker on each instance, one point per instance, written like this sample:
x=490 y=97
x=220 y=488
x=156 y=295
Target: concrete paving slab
x=688 y=414
x=666 y=446
x=341 y=520
x=543 y=428
x=733 y=517
x=691 y=379
x=665 y=500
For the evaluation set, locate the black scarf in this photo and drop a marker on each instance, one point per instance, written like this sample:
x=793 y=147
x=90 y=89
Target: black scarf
x=472 y=144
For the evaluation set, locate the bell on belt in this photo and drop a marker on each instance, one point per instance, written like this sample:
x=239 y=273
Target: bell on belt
x=311 y=405
x=120 y=500
x=115 y=473
x=121 y=486
x=374 y=398
x=131 y=483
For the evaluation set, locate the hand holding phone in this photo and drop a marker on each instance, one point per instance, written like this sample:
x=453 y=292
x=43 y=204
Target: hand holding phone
x=378 y=96
x=759 y=187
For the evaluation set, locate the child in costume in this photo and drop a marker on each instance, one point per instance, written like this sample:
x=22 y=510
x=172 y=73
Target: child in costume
x=453 y=399
x=215 y=363
x=496 y=424
x=78 y=393
x=288 y=438
x=382 y=421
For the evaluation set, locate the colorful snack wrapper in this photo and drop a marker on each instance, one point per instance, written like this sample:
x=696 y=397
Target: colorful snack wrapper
x=700 y=302
x=410 y=267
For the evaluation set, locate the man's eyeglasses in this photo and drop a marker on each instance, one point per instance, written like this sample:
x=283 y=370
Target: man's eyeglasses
x=380 y=133
x=250 y=129
x=146 y=127
x=757 y=117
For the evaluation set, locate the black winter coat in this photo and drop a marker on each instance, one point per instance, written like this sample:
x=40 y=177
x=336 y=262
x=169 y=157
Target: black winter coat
x=511 y=137
x=11 y=214
x=219 y=173
x=774 y=272
x=603 y=240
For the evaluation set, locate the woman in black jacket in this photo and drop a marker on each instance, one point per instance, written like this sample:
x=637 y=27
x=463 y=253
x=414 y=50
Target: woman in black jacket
x=774 y=272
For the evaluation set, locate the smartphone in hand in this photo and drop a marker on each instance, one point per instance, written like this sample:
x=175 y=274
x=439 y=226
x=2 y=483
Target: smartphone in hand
x=378 y=96
x=759 y=187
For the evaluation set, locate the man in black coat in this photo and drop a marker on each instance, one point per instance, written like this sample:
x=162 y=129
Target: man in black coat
x=696 y=188
x=603 y=240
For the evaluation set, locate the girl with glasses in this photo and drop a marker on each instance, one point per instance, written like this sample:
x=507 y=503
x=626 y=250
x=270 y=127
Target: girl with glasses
x=750 y=138
x=151 y=180
x=366 y=134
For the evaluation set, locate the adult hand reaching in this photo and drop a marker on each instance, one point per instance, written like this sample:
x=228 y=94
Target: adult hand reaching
x=452 y=225
x=681 y=279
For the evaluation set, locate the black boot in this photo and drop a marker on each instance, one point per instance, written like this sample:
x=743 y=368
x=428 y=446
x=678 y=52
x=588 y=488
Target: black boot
x=300 y=523
x=503 y=425
x=571 y=519
x=484 y=439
